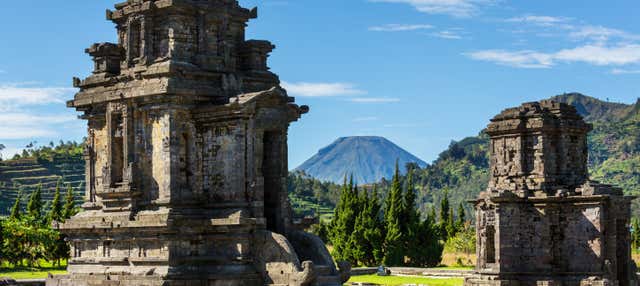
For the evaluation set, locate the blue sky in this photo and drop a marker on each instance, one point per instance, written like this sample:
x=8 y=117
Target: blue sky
x=419 y=72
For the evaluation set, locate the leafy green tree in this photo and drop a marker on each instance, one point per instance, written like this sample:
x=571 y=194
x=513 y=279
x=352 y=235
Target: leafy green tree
x=55 y=214
x=2 y=254
x=34 y=207
x=635 y=233
x=27 y=240
x=69 y=208
x=463 y=242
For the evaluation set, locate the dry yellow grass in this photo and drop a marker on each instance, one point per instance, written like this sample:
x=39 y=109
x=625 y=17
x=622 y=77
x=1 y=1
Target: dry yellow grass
x=636 y=257
x=454 y=259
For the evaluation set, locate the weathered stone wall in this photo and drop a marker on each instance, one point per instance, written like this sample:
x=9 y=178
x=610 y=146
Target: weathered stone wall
x=559 y=237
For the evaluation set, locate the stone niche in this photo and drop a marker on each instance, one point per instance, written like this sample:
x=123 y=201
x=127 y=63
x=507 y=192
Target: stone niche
x=542 y=221
x=186 y=157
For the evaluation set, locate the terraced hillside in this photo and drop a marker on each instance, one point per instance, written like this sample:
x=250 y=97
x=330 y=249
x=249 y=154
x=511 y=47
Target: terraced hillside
x=27 y=173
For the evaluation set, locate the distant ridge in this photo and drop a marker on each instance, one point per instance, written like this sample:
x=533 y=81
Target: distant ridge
x=593 y=109
x=368 y=158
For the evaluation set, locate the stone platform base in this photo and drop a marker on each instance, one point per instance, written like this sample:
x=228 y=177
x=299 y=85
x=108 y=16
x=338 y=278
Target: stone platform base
x=114 y=280
x=525 y=280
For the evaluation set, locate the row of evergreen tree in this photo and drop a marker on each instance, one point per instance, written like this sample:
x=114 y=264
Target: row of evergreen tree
x=27 y=236
x=367 y=231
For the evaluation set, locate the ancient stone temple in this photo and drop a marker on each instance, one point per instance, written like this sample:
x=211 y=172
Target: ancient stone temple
x=187 y=157
x=541 y=220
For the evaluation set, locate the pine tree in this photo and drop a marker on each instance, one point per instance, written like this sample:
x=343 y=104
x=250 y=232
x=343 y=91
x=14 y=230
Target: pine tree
x=395 y=199
x=394 y=248
x=411 y=216
x=445 y=219
x=428 y=246
x=375 y=230
x=357 y=241
x=35 y=204
x=55 y=214
x=411 y=225
x=15 y=209
x=343 y=223
x=444 y=208
x=461 y=216
x=451 y=226
x=69 y=208
x=432 y=215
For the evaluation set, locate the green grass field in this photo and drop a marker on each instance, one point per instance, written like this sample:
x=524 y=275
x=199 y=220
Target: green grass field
x=25 y=273
x=32 y=272
x=401 y=280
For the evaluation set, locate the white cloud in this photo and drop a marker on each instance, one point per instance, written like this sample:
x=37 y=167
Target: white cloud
x=567 y=27
x=16 y=95
x=447 y=34
x=538 y=20
x=601 y=55
x=625 y=71
x=18 y=125
x=400 y=27
x=374 y=99
x=309 y=89
x=23 y=132
x=590 y=54
x=30 y=119
x=601 y=34
x=456 y=8
x=520 y=59
x=18 y=122
x=363 y=119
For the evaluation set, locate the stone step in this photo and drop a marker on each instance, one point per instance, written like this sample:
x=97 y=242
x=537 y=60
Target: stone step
x=327 y=280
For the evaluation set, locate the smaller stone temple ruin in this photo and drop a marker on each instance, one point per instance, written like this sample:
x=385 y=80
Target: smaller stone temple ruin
x=186 y=157
x=542 y=221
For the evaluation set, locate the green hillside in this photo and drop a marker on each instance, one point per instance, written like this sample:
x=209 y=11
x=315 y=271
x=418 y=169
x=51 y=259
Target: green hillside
x=44 y=165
